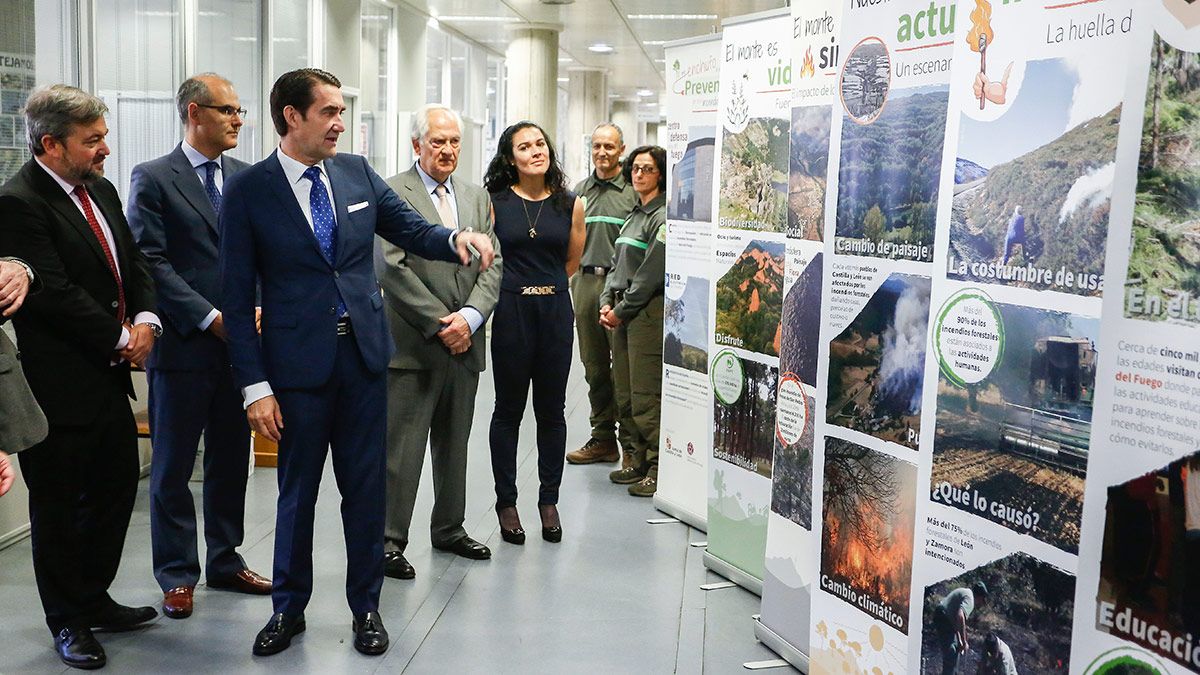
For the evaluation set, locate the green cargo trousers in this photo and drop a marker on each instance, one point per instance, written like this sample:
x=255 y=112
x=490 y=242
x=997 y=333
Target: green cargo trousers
x=637 y=380
x=595 y=350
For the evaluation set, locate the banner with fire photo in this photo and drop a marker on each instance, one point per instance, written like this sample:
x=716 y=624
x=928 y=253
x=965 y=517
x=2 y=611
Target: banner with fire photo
x=790 y=556
x=749 y=249
x=692 y=71
x=884 y=175
x=1137 y=599
x=1024 y=222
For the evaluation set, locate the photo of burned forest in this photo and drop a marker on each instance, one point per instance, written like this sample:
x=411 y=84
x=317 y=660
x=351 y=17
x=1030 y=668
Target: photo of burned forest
x=1164 y=260
x=808 y=172
x=877 y=364
x=888 y=175
x=869 y=502
x=744 y=430
x=1019 y=438
x=685 y=326
x=1150 y=560
x=754 y=176
x=1033 y=189
x=750 y=298
x=1019 y=604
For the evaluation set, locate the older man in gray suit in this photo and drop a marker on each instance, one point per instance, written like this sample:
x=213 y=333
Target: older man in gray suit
x=436 y=311
x=22 y=423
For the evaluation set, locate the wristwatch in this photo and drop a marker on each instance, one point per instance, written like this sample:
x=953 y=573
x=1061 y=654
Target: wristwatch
x=23 y=264
x=154 y=328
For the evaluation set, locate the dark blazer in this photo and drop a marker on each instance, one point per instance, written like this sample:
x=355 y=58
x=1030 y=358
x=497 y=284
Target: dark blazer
x=67 y=332
x=176 y=228
x=265 y=237
x=22 y=423
x=418 y=291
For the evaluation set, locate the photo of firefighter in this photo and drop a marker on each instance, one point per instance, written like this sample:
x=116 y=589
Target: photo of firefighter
x=1010 y=616
x=869 y=511
x=1013 y=448
x=1150 y=560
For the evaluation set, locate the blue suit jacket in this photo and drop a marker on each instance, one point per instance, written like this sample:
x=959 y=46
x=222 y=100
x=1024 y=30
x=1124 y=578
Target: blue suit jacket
x=265 y=237
x=177 y=229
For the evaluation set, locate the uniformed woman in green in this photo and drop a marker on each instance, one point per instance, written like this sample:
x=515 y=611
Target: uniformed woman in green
x=632 y=308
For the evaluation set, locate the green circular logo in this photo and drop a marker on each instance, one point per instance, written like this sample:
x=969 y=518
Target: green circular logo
x=968 y=337
x=1126 y=661
x=728 y=378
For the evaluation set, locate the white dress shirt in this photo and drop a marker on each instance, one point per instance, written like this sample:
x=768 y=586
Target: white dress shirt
x=141 y=317
x=472 y=316
x=198 y=162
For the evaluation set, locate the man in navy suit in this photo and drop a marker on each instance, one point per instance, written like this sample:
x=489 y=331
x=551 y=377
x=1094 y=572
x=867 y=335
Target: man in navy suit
x=302 y=223
x=173 y=206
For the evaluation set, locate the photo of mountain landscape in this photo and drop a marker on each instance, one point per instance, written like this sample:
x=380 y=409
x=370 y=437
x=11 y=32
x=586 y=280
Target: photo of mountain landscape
x=1033 y=188
x=1164 y=260
x=750 y=297
x=754 y=176
x=807 y=175
x=876 y=364
x=889 y=173
x=685 y=326
x=1020 y=437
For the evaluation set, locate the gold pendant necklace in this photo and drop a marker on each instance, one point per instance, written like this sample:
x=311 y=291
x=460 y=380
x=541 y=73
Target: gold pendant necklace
x=533 y=233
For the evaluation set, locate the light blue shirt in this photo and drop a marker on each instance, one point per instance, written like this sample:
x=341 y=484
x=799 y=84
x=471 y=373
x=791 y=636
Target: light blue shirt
x=473 y=317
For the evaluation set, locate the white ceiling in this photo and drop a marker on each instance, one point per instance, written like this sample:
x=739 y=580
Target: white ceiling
x=636 y=62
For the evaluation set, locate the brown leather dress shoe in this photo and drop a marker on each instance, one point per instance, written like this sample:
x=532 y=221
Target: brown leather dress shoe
x=177 y=602
x=246 y=581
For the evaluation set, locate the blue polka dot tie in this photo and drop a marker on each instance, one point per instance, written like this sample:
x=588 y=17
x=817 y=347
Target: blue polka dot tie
x=210 y=185
x=324 y=224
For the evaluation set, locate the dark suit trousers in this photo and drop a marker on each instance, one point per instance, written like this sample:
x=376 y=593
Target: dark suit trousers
x=532 y=337
x=82 y=484
x=184 y=404
x=434 y=406
x=345 y=417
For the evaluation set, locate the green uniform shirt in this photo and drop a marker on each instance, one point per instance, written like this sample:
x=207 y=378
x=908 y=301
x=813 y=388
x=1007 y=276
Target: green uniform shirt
x=640 y=262
x=607 y=205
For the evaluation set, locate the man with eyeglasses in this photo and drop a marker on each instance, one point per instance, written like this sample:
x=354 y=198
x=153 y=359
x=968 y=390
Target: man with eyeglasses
x=173 y=206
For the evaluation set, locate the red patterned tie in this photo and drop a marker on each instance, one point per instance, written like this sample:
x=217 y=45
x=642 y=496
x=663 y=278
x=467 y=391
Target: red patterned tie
x=82 y=194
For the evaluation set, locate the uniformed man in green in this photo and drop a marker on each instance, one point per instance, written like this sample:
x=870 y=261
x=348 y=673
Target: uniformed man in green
x=631 y=307
x=608 y=198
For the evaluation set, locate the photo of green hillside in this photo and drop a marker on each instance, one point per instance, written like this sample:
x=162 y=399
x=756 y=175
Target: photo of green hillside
x=754 y=176
x=807 y=177
x=1164 y=260
x=889 y=173
x=750 y=299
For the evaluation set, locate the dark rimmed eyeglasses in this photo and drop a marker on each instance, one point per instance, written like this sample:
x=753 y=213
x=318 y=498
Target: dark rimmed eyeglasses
x=646 y=169
x=226 y=110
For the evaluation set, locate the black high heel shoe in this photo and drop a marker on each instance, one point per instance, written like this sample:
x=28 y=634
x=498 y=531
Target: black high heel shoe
x=514 y=536
x=551 y=533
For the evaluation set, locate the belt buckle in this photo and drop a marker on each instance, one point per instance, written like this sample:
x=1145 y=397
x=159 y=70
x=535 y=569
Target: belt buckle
x=537 y=290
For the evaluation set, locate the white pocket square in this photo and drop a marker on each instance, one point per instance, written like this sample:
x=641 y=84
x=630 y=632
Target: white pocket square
x=356 y=207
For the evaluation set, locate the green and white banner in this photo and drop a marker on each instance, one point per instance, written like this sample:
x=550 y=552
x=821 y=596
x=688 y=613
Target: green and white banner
x=693 y=68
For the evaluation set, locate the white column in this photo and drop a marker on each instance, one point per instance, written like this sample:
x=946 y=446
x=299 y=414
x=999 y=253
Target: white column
x=587 y=92
x=532 y=60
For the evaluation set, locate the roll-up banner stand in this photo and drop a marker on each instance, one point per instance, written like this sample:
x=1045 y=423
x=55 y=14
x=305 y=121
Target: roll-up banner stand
x=749 y=250
x=692 y=72
x=791 y=546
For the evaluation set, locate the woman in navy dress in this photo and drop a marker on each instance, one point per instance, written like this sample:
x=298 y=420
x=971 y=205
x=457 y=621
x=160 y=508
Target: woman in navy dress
x=539 y=223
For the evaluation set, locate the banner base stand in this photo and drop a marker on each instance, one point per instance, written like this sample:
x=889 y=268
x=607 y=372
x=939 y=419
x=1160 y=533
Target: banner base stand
x=700 y=522
x=780 y=646
x=733 y=574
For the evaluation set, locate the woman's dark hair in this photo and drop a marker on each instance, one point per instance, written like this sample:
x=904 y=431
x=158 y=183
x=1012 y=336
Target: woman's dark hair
x=295 y=88
x=660 y=160
x=502 y=172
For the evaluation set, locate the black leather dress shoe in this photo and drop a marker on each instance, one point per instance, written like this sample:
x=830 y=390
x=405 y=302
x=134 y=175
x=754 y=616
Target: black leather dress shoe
x=78 y=648
x=467 y=548
x=277 y=635
x=396 y=566
x=117 y=618
x=370 y=637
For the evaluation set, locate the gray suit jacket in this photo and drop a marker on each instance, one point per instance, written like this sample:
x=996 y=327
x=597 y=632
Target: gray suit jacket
x=22 y=423
x=418 y=291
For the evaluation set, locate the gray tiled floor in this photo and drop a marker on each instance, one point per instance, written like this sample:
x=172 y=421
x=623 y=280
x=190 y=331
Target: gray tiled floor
x=617 y=596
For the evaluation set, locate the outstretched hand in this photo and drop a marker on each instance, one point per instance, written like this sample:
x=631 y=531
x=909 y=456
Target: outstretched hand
x=464 y=242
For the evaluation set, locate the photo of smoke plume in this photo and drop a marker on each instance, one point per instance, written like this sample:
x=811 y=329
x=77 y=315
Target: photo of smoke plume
x=1150 y=560
x=1016 y=611
x=744 y=430
x=692 y=177
x=876 y=365
x=869 y=508
x=809 y=166
x=1016 y=443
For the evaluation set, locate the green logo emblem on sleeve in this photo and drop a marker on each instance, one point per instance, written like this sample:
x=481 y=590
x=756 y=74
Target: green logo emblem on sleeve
x=662 y=233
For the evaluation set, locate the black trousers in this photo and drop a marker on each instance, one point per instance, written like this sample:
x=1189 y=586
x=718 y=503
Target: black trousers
x=82 y=484
x=532 y=336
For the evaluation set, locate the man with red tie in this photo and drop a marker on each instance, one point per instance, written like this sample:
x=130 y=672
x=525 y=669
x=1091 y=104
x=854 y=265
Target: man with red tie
x=93 y=316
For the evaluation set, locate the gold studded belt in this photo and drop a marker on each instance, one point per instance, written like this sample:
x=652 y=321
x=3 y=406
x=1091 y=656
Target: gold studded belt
x=538 y=290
